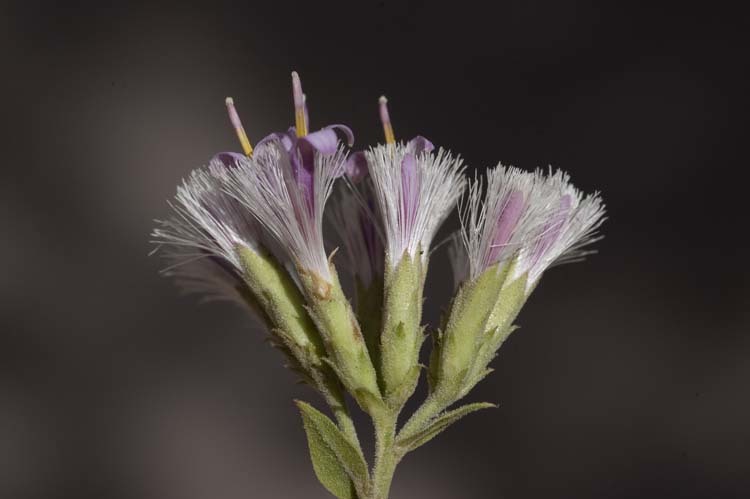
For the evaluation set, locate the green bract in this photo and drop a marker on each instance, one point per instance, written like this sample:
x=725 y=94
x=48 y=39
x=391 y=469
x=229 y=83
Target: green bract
x=401 y=337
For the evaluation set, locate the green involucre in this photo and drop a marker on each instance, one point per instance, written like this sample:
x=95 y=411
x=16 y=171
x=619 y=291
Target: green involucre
x=402 y=337
x=348 y=356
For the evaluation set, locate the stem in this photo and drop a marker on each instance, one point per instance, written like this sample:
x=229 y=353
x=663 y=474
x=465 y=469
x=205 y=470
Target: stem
x=335 y=399
x=345 y=423
x=386 y=458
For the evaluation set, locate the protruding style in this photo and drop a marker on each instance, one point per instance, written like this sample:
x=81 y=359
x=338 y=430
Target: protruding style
x=234 y=117
x=300 y=109
x=385 y=119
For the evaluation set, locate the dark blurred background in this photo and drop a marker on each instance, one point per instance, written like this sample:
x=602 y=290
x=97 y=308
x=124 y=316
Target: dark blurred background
x=629 y=377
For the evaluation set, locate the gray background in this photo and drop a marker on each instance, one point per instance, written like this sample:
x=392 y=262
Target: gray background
x=629 y=376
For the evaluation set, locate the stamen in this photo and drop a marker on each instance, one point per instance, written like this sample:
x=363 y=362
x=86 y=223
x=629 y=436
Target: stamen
x=390 y=138
x=237 y=124
x=300 y=118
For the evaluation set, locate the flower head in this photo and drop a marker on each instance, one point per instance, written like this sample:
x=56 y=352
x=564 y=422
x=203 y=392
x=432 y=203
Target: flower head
x=415 y=189
x=286 y=183
x=535 y=219
x=500 y=217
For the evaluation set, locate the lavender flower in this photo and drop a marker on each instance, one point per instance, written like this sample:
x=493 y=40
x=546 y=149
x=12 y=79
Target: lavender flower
x=501 y=217
x=533 y=219
x=513 y=230
x=415 y=189
x=286 y=183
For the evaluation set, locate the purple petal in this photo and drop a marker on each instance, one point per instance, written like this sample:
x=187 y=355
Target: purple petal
x=303 y=167
x=303 y=160
x=345 y=130
x=324 y=141
x=409 y=188
x=419 y=144
x=356 y=166
x=506 y=224
x=287 y=139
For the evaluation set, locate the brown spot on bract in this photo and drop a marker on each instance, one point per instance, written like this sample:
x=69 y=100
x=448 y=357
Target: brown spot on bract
x=357 y=332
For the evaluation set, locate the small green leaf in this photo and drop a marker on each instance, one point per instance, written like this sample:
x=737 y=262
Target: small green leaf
x=439 y=424
x=338 y=464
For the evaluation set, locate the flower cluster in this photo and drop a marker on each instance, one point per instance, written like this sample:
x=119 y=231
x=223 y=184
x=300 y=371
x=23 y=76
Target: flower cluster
x=250 y=227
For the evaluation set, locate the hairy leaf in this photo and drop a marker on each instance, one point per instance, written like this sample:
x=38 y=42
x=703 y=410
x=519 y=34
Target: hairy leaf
x=338 y=464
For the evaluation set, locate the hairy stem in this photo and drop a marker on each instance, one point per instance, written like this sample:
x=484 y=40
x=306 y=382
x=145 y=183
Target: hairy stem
x=386 y=457
x=334 y=397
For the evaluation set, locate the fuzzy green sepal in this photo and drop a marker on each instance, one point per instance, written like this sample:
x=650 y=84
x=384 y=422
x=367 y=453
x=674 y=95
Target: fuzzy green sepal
x=499 y=326
x=401 y=337
x=347 y=352
x=460 y=342
x=283 y=305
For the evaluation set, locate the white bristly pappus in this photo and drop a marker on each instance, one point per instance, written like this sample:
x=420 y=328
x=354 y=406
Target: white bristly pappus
x=535 y=219
x=500 y=217
x=415 y=191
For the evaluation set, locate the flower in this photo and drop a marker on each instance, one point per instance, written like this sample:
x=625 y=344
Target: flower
x=529 y=218
x=415 y=189
x=203 y=238
x=286 y=183
x=499 y=219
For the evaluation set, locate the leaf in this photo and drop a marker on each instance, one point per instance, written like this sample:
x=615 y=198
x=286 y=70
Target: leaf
x=440 y=423
x=338 y=464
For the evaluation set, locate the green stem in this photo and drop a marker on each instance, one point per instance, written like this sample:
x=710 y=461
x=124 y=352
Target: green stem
x=386 y=458
x=335 y=399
